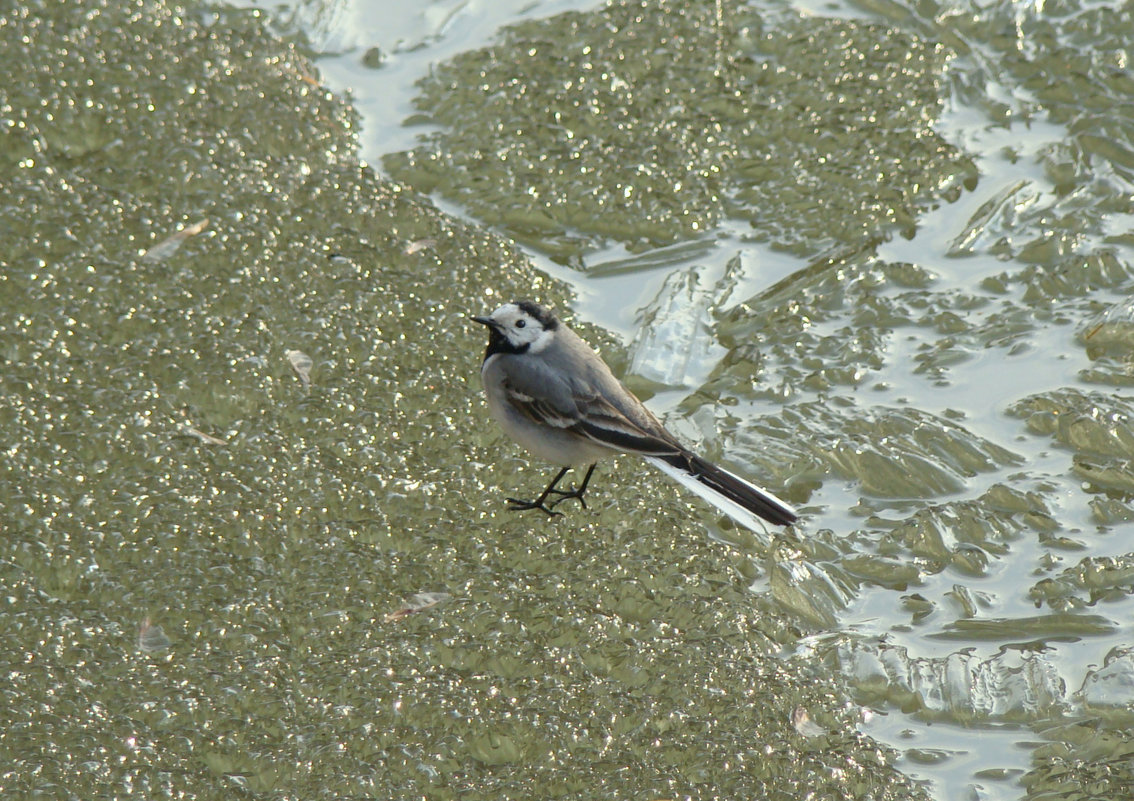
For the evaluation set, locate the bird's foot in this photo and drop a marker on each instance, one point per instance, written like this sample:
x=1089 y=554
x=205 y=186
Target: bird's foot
x=516 y=505
x=565 y=494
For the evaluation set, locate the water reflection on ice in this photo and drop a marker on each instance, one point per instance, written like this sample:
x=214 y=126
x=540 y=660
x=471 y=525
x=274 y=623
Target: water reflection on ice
x=675 y=345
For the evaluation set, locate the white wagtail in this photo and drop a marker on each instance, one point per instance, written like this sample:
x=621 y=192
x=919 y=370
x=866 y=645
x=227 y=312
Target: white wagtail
x=555 y=396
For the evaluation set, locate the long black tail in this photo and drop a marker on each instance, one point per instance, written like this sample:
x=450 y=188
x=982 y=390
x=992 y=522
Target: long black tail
x=691 y=470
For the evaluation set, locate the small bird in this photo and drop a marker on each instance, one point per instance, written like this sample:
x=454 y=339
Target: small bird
x=555 y=396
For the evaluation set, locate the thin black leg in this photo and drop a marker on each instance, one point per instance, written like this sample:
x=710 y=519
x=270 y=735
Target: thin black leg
x=516 y=505
x=575 y=493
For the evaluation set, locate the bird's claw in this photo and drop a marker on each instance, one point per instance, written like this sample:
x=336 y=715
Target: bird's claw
x=516 y=505
x=565 y=494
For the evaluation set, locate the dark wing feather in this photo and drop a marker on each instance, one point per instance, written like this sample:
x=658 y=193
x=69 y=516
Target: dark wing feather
x=591 y=416
x=607 y=425
x=541 y=410
x=540 y=393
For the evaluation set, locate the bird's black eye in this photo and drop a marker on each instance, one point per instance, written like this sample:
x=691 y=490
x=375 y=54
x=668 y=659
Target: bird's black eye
x=521 y=323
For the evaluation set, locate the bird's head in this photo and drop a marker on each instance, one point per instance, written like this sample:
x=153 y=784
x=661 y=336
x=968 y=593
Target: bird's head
x=519 y=327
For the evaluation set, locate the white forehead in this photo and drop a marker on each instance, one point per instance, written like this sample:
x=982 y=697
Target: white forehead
x=510 y=313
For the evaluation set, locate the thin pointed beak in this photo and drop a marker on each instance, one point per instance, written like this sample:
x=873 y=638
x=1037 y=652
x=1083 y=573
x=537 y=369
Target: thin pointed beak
x=483 y=321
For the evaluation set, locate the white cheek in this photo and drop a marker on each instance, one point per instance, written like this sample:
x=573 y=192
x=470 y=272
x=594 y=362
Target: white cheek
x=541 y=341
